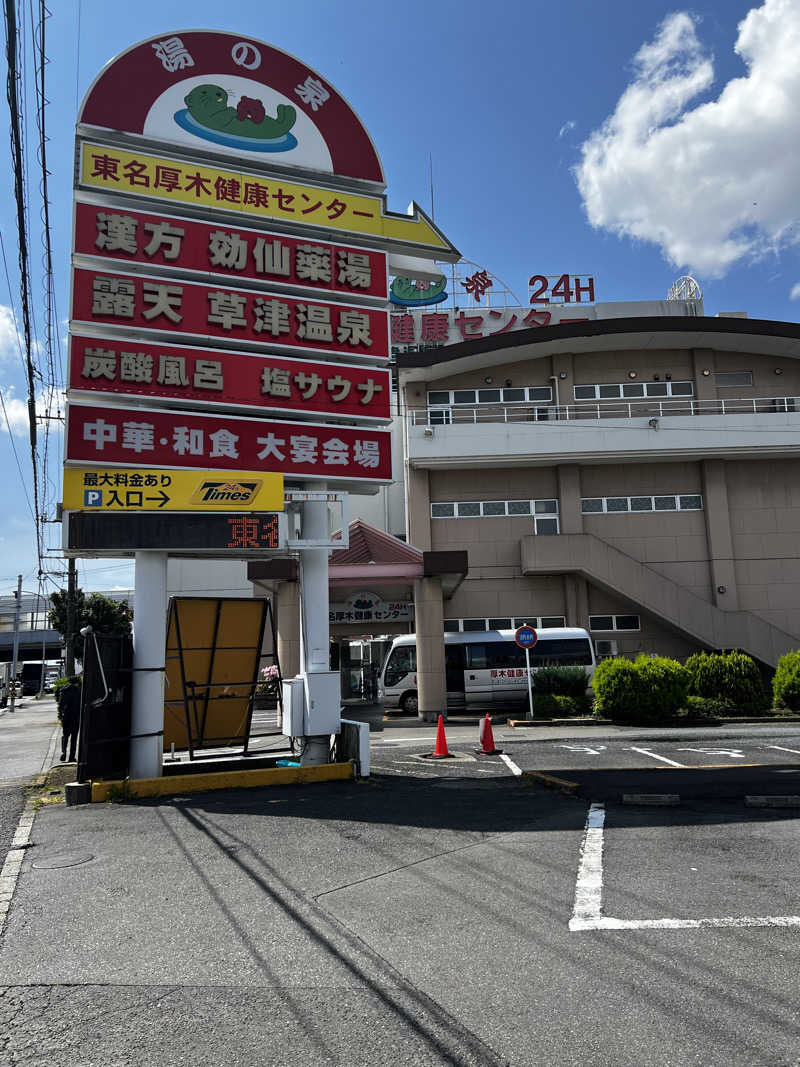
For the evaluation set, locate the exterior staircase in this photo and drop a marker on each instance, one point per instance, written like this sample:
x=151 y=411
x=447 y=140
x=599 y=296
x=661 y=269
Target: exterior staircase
x=607 y=567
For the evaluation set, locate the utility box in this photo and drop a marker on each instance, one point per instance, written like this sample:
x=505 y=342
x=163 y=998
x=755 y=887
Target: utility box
x=323 y=703
x=293 y=707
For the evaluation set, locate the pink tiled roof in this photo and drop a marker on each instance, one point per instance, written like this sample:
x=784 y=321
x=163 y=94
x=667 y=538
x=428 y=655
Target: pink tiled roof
x=370 y=545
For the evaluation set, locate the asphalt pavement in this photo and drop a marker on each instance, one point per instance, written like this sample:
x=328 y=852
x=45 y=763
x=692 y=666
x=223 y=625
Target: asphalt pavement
x=27 y=738
x=442 y=912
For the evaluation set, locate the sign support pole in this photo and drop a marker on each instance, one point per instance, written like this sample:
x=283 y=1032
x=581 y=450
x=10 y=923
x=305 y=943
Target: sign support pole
x=530 y=687
x=149 y=644
x=314 y=624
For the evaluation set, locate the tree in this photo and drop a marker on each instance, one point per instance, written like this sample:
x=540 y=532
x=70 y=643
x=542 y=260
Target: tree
x=104 y=615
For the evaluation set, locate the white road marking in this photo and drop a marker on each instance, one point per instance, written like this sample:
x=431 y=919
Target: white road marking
x=653 y=755
x=587 y=913
x=587 y=909
x=734 y=753
x=685 y=924
x=780 y=748
x=510 y=764
x=585 y=748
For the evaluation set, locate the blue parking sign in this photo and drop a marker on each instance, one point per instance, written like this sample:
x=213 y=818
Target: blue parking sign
x=93 y=498
x=526 y=636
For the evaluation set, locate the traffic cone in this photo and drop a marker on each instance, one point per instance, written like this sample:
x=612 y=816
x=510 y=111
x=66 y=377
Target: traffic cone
x=440 y=749
x=486 y=738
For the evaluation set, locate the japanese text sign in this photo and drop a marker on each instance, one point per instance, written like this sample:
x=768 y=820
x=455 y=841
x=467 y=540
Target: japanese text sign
x=187 y=245
x=193 y=535
x=190 y=308
x=179 y=182
x=145 y=489
x=133 y=436
x=226 y=94
x=209 y=376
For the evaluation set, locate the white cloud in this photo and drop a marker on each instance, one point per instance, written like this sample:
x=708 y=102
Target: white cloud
x=711 y=183
x=795 y=293
x=17 y=411
x=565 y=129
x=9 y=335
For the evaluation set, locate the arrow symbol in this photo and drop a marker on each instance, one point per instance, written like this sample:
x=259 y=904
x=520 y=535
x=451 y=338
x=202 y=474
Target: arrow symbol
x=164 y=498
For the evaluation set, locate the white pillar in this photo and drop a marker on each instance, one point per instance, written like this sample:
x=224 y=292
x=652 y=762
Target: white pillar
x=314 y=623
x=149 y=649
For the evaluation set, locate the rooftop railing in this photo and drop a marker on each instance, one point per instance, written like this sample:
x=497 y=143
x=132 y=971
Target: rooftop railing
x=602 y=409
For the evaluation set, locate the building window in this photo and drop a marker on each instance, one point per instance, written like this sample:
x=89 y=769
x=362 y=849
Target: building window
x=632 y=390
x=614 y=622
x=441 y=400
x=544 y=512
x=605 y=649
x=468 y=509
x=734 y=379
x=538 y=622
x=494 y=507
x=616 y=505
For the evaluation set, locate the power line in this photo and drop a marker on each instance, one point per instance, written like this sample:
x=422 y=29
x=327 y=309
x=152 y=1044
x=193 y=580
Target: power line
x=18 y=160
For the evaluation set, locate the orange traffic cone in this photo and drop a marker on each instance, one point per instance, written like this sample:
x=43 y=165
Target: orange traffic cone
x=440 y=749
x=486 y=738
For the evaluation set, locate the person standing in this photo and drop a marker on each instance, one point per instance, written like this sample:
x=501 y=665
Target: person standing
x=69 y=712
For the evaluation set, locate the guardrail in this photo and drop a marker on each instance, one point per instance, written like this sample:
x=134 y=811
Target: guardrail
x=603 y=409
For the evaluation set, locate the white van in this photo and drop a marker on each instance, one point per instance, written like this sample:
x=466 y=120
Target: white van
x=484 y=667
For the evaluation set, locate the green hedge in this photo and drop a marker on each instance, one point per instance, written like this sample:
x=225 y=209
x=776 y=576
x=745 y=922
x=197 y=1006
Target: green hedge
x=709 y=708
x=643 y=691
x=561 y=681
x=729 y=676
x=786 y=683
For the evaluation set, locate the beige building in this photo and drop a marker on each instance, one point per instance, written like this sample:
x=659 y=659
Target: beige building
x=636 y=476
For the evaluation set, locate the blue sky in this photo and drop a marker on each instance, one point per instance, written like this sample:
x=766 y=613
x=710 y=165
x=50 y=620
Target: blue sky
x=636 y=146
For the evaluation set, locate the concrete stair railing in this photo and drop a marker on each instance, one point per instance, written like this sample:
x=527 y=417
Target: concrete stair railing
x=613 y=570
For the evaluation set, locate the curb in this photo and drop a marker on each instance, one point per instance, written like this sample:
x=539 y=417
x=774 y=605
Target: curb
x=197 y=783
x=549 y=781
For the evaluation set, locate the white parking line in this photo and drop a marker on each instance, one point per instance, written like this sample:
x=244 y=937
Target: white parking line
x=654 y=755
x=587 y=912
x=510 y=764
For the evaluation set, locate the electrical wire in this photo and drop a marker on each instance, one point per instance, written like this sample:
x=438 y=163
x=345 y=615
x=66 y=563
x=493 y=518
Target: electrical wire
x=18 y=158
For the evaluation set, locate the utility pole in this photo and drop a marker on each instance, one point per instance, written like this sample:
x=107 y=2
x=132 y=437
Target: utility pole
x=13 y=696
x=69 y=636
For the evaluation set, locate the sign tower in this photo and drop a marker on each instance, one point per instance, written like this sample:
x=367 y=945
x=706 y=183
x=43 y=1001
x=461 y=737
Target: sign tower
x=229 y=334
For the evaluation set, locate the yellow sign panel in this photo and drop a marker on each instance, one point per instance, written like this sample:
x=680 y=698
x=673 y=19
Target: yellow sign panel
x=179 y=182
x=129 y=489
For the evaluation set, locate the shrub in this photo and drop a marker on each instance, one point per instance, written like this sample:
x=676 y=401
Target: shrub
x=545 y=706
x=786 y=683
x=709 y=708
x=561 y=681
x=571 y=707
x=730 y=676
x=617 y=690
x=648 y=690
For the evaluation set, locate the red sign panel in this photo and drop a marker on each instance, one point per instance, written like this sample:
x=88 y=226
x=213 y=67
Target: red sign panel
x=141 y=303
x=208 y=375
x=183 y=244
x=139 y=90
x=141 y=436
